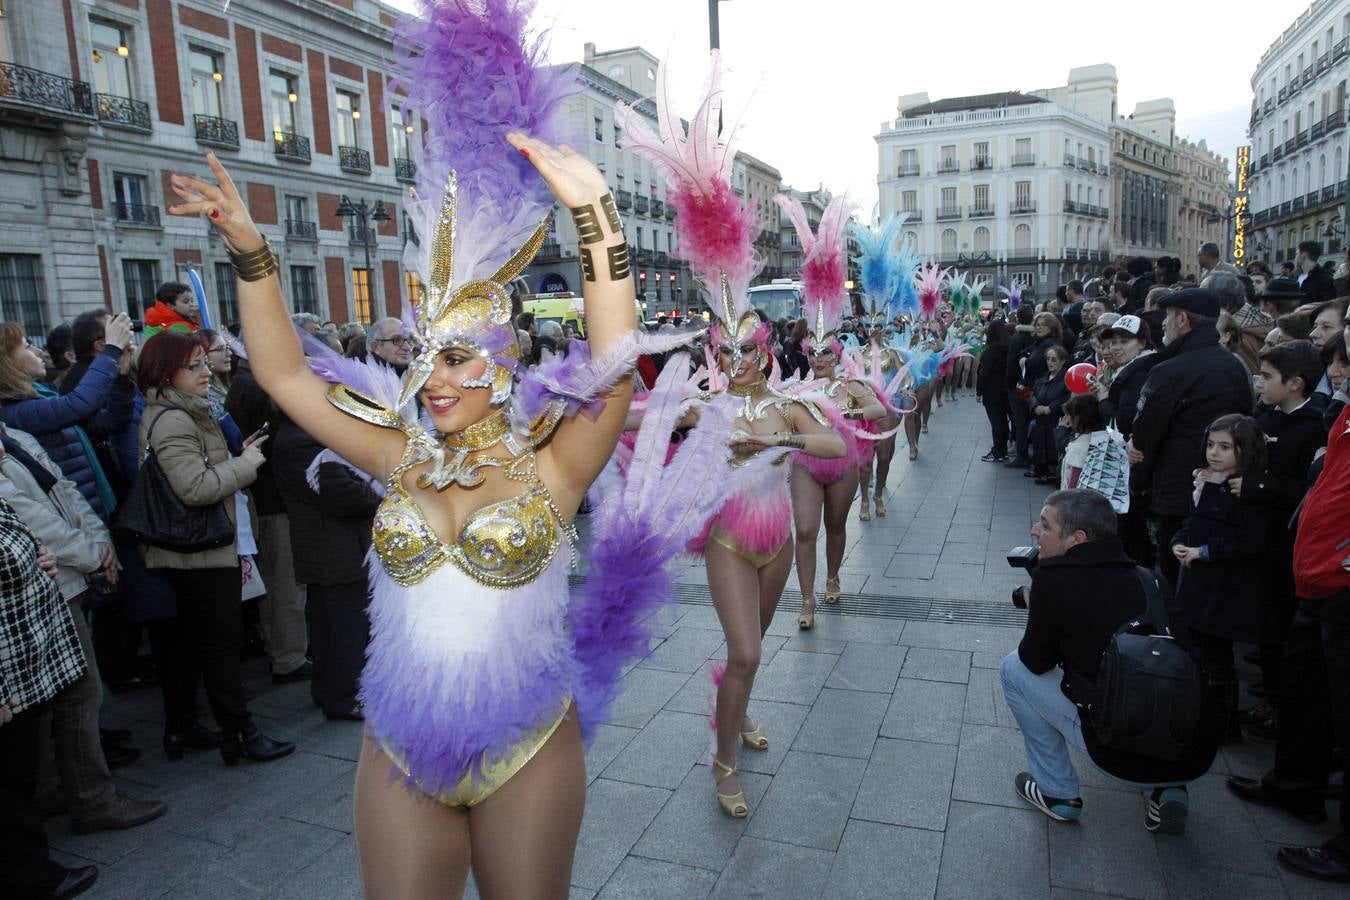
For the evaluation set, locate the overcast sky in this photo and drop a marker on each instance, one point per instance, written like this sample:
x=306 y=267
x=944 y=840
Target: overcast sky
x=820 y=77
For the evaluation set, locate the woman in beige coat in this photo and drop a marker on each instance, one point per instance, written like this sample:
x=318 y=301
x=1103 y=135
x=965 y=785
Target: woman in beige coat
x=180 y=428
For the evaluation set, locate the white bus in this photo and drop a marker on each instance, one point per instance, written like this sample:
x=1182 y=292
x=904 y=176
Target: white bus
x=779 y=299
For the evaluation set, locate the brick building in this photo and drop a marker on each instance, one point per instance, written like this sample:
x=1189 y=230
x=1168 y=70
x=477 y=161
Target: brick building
x=101 y=101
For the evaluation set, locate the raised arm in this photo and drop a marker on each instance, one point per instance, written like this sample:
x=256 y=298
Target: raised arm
x=273 y=347
x=581 y=446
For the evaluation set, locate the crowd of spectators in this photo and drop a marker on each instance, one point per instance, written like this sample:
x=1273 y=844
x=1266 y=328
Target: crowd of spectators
x=1225 y=392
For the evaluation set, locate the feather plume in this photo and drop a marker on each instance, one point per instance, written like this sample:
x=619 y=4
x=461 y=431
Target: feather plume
x=876 y=261
x=469 y=70
x=717 y=229
x=823 y=269
x=1014 y=295
x=904 y=296
x=929 y=282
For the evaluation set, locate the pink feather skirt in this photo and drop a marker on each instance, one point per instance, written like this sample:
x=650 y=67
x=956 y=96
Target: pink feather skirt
x=757 y=518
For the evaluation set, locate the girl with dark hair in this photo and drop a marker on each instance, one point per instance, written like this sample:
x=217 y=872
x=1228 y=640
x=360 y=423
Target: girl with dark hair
x=1083 y=417
x=1222 y=551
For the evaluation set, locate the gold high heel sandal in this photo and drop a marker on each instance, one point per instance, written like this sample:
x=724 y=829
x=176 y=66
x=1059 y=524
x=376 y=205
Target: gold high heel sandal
x=880 y=505
x=806 y=621
x=733 y=805
x=832 y=593
x=864 y=513
x=756 y=739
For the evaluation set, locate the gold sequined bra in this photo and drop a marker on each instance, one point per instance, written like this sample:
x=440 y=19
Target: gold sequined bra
x=502 y=545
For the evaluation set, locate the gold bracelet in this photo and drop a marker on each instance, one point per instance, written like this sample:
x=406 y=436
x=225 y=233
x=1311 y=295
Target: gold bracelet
x=792 y=441
x=253 y=265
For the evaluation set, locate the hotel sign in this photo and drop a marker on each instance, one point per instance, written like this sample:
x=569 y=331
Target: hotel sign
x=1240 y=200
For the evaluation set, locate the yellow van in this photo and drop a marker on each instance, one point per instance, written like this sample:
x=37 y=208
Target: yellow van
x=565 y=308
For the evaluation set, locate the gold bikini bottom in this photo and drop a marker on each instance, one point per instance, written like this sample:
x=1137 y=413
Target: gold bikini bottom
x=470 y=791
x=758 y=560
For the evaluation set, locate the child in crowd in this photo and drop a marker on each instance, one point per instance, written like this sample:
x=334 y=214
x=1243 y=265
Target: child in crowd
x=1222 y=551
x=1048 y=396
x=1291 y=415
x=1083 y=417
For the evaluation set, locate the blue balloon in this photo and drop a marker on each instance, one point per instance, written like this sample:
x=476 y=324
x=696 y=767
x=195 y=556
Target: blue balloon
x=203 y=313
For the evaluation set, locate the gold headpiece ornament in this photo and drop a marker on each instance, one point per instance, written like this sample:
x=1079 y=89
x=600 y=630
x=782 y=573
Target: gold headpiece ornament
x=733 y=330
x=475 y=315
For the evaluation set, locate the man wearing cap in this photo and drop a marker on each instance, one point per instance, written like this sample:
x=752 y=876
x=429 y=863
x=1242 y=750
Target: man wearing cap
x=1282 y=295
x=1193 y=383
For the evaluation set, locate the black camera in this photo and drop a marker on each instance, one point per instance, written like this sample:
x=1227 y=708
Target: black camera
x=137 y=325
x=1023 y=558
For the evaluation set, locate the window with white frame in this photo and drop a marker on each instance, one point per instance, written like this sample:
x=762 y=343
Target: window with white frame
x=111 y=59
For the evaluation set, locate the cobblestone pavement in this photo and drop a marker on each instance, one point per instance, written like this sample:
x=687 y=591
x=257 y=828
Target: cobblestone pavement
x=889 y=772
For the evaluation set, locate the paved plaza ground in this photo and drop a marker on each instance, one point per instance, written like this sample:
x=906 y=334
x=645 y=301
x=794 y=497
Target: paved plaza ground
x=889 y=772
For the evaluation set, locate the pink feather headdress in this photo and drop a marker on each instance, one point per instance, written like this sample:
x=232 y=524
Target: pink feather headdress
x=929 y=280
x=716 y=228
x=823 y=269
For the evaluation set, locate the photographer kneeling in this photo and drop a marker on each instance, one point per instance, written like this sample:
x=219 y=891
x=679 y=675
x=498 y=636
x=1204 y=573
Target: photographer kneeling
x=1083 y=591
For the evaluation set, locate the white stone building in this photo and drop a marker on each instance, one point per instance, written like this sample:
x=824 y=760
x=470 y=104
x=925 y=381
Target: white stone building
x=1299 y=154
x=994 y=185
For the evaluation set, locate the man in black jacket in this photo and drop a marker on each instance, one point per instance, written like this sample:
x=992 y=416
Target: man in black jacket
x=1315 y=282
x=1194 y=382
x=330 y=506
x=1082 y=591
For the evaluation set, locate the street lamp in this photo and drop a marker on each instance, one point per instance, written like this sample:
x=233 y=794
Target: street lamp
x=363 y=214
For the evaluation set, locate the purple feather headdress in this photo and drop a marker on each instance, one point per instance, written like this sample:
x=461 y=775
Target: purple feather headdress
x=1014 y=295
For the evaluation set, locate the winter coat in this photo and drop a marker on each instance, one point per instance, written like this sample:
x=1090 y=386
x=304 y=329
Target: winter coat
x=60 y=518
x=1292 y=440
x=1193 y=383
x=251 y=408
x=1050 y=390
x=330 y=527
x=1036 y=358
x=161 y=317
x=1223 y=596
x=1139 y=291
x=1318 y=286
x=1324 y=521
x=1122 y=400
x=989 y=383
x=191 y=450
x=1018 y=347
x=101 y=404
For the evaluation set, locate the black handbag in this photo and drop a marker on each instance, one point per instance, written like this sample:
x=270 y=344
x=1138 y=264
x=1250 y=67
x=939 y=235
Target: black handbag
x=155 y=515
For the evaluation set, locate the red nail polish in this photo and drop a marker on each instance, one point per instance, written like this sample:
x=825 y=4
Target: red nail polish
x=524 y=152
x=215 y=214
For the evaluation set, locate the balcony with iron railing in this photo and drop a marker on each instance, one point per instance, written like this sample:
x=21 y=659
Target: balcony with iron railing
x=354 y=160
x=1340 y=48
x=300 y=230
x=405 y=170
x=1070 y=160
x=623 y=199
x=948 y=165
x=290 y=146
x=123 y=112
x=1023 y=159
x=915 y=215
x=1324 y=62
x=1301 y=139
x=641 y=204
x=549 y=252
x=34 y=90
x=1260 y=217
x=670 y=213
x=1282 y=95
x=1022 y=207
x=1286 y=208
x=136 y=214
x=1311 y=198
x=981 y=211
x=1299 y=203
x=1309 y=74
x=216 y=132
x=907 y=171
x=1023 y=254
x=645 y=257
x=1277 y=153
x=981 y=162
x=361 y=237
x=662 y=258
x=945 y=213
x=658 y=209
x=1335 y=121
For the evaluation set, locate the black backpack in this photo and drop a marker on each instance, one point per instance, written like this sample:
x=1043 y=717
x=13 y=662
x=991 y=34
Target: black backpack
x=1150 y=691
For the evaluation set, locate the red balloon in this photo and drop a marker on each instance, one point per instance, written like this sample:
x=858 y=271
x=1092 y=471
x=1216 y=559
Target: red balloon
x=1076 y=379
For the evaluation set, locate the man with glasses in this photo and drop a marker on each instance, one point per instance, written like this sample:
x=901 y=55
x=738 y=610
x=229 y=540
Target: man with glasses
x=389 y=341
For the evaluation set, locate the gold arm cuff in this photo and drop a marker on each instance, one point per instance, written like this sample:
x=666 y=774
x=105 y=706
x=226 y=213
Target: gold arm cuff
x=253 y=265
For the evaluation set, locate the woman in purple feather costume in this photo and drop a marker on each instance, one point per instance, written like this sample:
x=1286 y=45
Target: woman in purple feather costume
x=482 y=672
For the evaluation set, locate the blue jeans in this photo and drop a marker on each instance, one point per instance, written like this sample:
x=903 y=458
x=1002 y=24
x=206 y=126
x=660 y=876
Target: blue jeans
x=1049 y=723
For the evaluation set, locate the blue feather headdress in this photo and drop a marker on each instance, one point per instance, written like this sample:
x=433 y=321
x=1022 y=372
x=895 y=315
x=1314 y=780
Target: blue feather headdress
x=876 y=261
x=905 y=296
